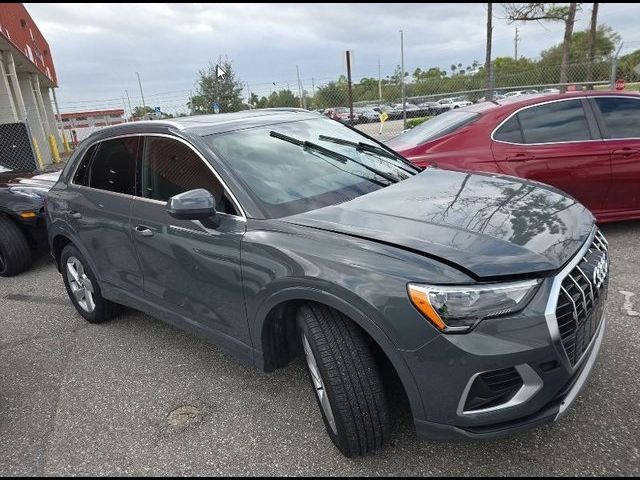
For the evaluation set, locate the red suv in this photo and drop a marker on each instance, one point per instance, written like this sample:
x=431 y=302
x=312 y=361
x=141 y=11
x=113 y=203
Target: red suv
x=585 y=143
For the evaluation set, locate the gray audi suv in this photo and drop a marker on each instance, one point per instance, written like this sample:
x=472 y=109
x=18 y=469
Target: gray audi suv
x=277 y=233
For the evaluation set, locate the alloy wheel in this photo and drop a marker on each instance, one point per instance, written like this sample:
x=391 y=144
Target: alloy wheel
x=318 y=384
x=81 y=286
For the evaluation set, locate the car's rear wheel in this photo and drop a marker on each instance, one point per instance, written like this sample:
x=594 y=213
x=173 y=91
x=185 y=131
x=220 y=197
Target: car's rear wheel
x=15 y=254
x=83 y=288
x=346 y=380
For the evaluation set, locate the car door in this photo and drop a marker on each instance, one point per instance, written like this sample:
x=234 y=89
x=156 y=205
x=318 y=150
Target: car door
x=557 y=143
x=619 y=119
x=191 y=268
x=99 y=200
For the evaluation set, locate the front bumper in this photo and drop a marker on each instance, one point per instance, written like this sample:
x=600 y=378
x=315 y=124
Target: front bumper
x=553 y=363
x=550 y=412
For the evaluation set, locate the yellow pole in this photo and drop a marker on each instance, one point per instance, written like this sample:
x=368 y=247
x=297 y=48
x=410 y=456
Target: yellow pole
x=36 y=150
x=53 y=145
x=67 y=148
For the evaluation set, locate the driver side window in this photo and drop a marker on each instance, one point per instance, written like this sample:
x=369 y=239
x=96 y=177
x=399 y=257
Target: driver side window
x=169 y=167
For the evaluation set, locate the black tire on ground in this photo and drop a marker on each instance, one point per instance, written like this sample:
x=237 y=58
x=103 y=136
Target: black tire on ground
x=15 y=254
x=104 y=309
x=352 y=380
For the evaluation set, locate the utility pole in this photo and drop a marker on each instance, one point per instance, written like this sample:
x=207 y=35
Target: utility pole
x=488 y=67
x=379 y=83
x=144 y=106
x=516 y=39
x=404 y=99
x=124 y=108
x=248 y=95
x=300 y=90
x=614 y=66
x=313 y=87
x=129 y=102
x=348 y=53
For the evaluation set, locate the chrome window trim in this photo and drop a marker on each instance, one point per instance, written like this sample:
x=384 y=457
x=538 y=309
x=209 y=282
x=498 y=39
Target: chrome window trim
x=531 y=385
x=227 y=190
x=552 y=303
x=556 y=101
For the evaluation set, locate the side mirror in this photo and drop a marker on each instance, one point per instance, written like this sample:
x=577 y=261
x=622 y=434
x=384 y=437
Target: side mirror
x=196 y=204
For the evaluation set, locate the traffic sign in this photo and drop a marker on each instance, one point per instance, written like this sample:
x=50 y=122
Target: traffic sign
x=620 y=84
x=215 y=106
x=156 y=109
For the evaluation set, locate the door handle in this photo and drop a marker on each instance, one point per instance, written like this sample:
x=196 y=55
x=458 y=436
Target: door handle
x=626 y=152
x=520 y=157
x=75 y=214
x=143 y=231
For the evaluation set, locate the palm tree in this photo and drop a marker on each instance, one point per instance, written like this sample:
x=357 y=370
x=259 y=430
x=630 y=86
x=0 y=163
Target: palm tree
x=453 y=69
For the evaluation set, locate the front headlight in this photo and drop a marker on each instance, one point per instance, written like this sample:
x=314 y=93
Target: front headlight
x=458 y=308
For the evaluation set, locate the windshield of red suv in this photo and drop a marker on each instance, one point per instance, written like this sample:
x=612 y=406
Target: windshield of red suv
x=432 y=129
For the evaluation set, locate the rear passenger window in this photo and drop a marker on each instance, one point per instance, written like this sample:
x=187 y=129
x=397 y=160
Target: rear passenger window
x=82 y=173
x=114 y=164
x=563 y=121
x=509 y=131
x=621 y=116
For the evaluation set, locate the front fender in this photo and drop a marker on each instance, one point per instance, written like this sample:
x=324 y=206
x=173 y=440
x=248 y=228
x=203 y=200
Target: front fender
x=363 y=314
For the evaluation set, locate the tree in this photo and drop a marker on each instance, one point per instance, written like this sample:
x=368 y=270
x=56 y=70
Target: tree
x=593 y=31
x=140 y=112
x=487 y=59
x=453 y=69
x=527 y=12
x=227 y=91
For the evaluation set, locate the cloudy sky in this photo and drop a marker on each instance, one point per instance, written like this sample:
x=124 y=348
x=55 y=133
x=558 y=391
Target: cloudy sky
x=97 y=48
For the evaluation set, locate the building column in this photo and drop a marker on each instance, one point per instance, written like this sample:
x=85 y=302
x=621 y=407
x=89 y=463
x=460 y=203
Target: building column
x=51 y=117
x=33 y=117
x=8 y=112
x=21 y=109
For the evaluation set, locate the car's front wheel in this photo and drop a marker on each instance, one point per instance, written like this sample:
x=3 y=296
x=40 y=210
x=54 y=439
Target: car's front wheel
x=346 y=380
x=83 y=289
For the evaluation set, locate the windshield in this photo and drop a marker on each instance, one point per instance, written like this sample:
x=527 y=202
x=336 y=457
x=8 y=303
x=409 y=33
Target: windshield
x=4 y=169
x=432 y=129
x=294 y=167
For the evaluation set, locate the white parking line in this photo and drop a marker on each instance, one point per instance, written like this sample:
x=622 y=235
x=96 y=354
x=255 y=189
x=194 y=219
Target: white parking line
x=628 y=304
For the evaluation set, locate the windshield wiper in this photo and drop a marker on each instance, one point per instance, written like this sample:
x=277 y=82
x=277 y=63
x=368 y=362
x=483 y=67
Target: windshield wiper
x=330 y=153
x=366 y=147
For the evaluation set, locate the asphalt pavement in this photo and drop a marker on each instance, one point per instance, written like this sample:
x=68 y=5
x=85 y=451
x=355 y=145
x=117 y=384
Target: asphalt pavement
x=137 y=397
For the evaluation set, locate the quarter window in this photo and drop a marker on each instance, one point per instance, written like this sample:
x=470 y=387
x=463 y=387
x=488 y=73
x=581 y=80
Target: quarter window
x=170 y=167
x=509 y=131
x=113 y=166
x=621 y=116
x=82 y=173
x=555 y=122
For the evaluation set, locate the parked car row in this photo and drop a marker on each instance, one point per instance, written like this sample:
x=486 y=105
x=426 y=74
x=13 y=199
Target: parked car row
x=371 y=114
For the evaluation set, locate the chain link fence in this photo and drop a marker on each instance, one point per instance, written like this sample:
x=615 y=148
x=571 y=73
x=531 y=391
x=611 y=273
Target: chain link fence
x=29 y=143
x=426 y=95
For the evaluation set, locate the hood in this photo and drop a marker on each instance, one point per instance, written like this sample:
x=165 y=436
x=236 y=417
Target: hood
x=486 y=225
x=43 y=180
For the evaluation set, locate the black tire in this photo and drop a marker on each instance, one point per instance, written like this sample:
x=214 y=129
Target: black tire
x=15 y=254
x=104 y=309
x=351 y=379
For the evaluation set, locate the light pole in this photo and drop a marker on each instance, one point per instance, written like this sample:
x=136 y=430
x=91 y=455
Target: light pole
x=404 y=100
x=144 y=106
